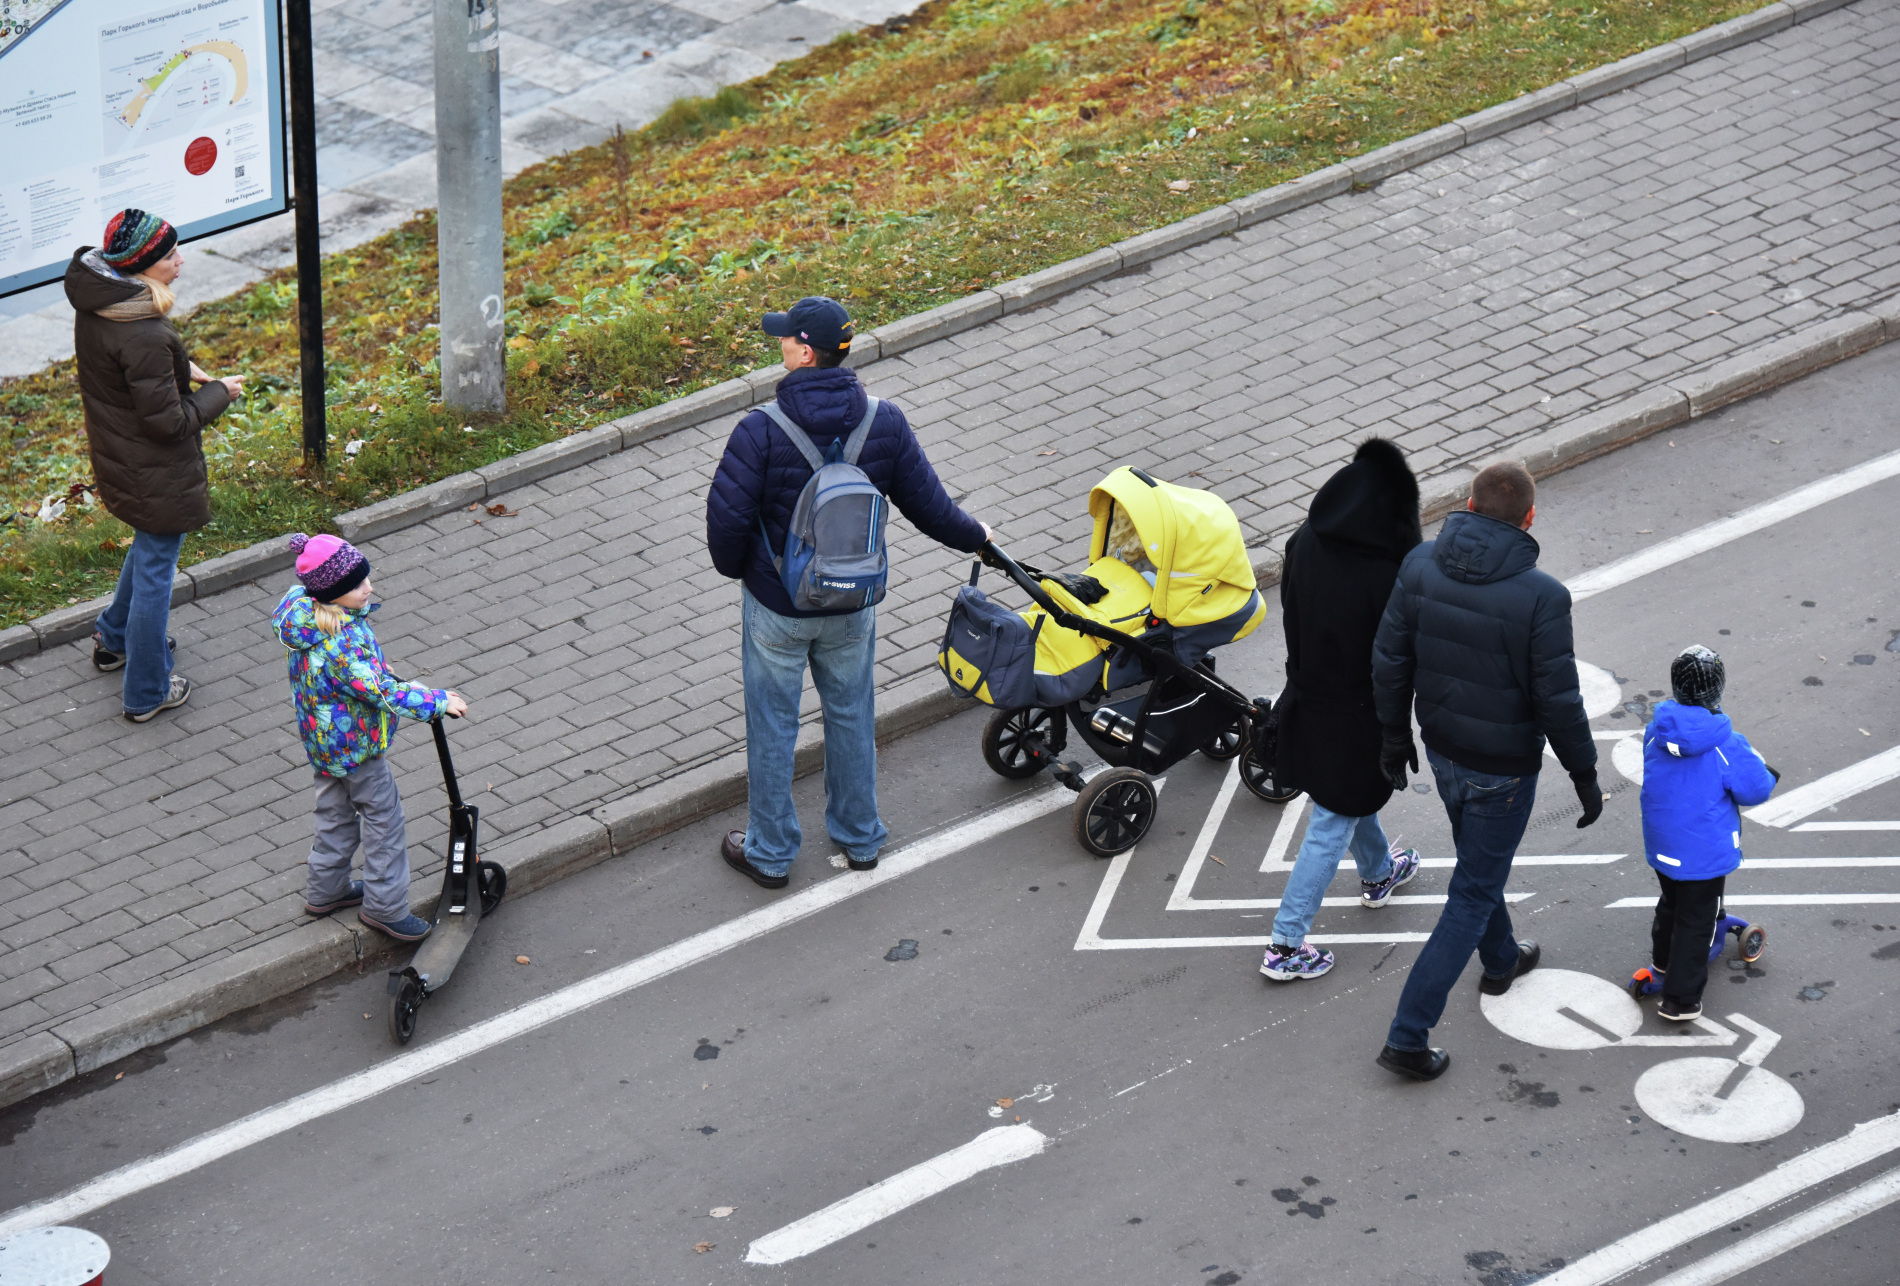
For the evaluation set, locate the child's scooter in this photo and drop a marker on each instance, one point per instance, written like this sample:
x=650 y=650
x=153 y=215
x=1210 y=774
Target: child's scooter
x=1752 y=940
x=471 y=889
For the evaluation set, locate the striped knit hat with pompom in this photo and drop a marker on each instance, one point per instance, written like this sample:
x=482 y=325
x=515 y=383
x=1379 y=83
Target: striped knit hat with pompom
x=136 y=240
x=328 y=566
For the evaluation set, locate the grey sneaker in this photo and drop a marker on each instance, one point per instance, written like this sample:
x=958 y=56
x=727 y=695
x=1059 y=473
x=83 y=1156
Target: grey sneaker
x=1288 y=964
x=1376 y=893
x=180 y=693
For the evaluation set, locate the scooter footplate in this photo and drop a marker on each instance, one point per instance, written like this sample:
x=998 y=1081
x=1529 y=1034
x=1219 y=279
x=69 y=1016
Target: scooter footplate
x=442 y=950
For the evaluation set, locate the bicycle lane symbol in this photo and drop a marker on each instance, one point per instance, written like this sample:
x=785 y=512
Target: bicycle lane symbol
x=1723 y=1100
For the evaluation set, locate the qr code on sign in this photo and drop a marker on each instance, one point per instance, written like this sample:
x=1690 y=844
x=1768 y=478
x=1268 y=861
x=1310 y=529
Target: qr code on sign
x=238 y=172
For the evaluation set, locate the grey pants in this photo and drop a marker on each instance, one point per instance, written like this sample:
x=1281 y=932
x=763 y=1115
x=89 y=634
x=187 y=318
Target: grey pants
x=362 y=807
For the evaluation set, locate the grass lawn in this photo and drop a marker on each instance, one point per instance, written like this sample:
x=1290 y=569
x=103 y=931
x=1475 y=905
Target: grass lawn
x=895 y=169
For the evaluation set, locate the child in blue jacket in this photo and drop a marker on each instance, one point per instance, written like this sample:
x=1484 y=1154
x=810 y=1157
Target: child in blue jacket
x=1697 y=772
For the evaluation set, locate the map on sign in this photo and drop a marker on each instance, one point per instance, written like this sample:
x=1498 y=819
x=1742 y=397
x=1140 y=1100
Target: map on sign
x=172 y=71
x=19 y=17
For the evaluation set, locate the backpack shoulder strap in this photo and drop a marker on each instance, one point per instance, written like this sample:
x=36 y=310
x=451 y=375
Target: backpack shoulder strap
x=855 y=443
x=799 y=438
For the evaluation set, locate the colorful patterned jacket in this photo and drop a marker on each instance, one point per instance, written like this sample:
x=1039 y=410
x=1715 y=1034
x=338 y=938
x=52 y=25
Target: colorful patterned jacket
x=342 y=691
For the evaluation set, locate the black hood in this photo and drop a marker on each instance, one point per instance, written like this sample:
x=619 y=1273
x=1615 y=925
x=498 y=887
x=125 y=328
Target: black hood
x=91 y=286
x=1478 y=550
x=1371 y=504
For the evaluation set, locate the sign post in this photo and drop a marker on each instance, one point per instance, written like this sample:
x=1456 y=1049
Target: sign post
x=468 y=202
x=303 y=168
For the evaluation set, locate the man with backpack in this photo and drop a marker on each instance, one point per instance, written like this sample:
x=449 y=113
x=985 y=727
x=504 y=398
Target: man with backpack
x=797 y=512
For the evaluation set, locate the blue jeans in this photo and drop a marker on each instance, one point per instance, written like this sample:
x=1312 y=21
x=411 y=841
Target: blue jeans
x=1328 y=834
x=840 y=651
x=1488 y=814
x=135 y=623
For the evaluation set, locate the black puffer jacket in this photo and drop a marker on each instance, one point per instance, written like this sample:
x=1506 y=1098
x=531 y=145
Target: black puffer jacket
x=762 y=473
x=144 y=421
x=1483 y=638
x=1338 y=575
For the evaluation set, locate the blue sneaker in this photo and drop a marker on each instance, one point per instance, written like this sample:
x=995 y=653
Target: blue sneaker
x=353 y=898
x=411 y=928
x=1376 y=893
x=1286 y=964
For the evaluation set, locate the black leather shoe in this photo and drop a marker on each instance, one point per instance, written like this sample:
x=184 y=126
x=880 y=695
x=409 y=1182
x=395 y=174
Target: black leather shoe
x=1528 y=954
x=1419 y=1064
x=732 y=848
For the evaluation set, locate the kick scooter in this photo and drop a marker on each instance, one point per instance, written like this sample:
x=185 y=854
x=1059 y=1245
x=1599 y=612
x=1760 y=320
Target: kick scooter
x=1751 y=941
x=471 y=889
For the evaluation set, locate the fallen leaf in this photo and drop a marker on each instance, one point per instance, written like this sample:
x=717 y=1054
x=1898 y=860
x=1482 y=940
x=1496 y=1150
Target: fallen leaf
x=1181 y=185
x=523 y=960
x=1212 y=858
x=1006 y=1102
x=365 y=1015
x=119 y=1077
x=1862 y=731
x=1051 y=451
x=720 y=1212
x=1019 y=1118
x=503 y=511
x=702 y=1247
x=472 y=508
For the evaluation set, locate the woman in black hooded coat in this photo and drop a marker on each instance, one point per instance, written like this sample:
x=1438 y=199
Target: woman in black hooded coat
x=1339 y=571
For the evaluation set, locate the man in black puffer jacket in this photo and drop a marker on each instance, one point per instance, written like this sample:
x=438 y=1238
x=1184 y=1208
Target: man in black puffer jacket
x=747 y=516
x=1483 y=639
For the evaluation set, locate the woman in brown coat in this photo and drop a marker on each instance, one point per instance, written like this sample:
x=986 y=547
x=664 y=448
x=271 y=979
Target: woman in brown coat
x=144 y=422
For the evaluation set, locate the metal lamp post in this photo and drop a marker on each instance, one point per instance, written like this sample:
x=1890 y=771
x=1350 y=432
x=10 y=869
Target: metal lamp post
x=468 y=202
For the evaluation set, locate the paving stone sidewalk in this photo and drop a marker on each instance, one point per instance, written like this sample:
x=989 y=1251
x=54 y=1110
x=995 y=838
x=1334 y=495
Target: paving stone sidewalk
x=571 y=70
x=1457 y=308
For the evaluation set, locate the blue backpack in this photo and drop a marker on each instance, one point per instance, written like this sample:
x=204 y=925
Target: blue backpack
x=834 y=549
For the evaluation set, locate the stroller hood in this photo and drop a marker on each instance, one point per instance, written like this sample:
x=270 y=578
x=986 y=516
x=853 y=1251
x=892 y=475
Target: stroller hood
x=1202 y=572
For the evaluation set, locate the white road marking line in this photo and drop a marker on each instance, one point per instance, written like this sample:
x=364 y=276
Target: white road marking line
x=1204 y=842
x=1827 y=791
x=1846 y=826
x=1276 y=858
x=1772 y=899
x=998 y=1147
x=1802 y=863
x=1864 y=1143
x=1750 y=1252
x=350 y=1090
x=1713 y=535
x=1267 y=904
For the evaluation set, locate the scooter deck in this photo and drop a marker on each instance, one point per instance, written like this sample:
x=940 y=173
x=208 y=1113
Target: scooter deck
x=441 y=951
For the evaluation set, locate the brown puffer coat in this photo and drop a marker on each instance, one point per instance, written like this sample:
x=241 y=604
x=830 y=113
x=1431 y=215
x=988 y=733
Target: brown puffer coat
x=143 y=419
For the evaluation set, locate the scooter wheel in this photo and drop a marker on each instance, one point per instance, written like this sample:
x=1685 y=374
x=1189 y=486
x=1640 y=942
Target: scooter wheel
x=1006 y=744
x=402 y=1011
x=1639 y=984
x=1754 y=941
x=494 y=883
x=1259 y=779
x=1228 y=742
x=1114 y=811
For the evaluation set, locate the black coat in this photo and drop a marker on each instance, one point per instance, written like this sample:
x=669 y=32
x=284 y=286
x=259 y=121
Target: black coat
x=1483 y=639
x=1338 y=575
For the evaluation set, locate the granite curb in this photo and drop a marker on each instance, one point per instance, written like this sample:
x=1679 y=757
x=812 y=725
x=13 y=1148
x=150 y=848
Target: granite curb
x=958 y=316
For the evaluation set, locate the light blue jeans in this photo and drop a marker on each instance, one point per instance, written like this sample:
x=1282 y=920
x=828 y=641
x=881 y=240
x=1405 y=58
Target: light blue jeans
x=840 y=651
x=1328 y=835
x=136 y=621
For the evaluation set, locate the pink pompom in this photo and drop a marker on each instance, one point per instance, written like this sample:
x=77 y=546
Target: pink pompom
x=297 y=541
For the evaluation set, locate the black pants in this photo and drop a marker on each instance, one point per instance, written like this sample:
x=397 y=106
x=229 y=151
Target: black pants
x=1681 y=934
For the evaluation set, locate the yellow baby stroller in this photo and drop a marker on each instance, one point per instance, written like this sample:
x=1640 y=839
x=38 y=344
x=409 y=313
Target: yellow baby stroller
x=1122 y=654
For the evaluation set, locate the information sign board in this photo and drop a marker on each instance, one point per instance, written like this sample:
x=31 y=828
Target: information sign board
x=105 y=104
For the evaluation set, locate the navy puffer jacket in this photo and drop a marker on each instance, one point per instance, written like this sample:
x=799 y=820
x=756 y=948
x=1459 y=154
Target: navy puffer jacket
x=1483 y=639
x=762 y=473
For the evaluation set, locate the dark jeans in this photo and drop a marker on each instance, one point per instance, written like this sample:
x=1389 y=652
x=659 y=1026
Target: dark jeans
x=1488 y=815
x=1682 y=933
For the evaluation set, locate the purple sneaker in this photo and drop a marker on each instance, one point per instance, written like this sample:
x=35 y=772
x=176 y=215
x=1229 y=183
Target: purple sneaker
x=1285 y=964
x=1376 y=893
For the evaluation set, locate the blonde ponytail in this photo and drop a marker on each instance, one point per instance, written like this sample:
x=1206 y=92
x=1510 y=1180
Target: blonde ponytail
x=329 y=617
x=163 y=297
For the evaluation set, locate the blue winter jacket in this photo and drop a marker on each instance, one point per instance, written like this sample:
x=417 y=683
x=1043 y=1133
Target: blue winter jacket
x=762 y=473
x=1482 y=637
x=1697 y=770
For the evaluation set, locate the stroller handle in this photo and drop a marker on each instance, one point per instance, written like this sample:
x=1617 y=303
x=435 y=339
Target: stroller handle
x=1028 y=580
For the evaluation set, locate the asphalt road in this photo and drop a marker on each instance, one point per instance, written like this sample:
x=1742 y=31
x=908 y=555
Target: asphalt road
x=1186 y=1121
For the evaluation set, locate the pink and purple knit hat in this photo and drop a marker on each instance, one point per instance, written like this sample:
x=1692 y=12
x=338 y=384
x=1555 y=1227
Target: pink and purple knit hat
x=328 y=566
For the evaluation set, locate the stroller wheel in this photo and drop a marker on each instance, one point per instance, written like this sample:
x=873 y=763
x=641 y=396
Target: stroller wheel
x=1259 y=779
x=1228 y=742
x=1114 y=811
x=1754 y=942
x=1006 y=744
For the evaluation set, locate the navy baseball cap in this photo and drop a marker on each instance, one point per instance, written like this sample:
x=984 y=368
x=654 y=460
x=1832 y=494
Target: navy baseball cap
x=814 y=320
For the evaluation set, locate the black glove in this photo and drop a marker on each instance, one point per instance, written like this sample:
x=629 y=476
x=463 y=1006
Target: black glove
x=1773 y=772
x=1086 y=589
x=1589 y=794
x=1395 y=754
